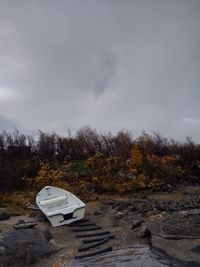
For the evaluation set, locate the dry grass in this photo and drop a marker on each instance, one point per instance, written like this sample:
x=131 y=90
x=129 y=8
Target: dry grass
x=16 y=201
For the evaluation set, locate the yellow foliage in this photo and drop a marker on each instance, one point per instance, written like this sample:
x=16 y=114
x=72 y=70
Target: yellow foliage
x=95 y=179
x=136 y=156
x=101 y=163
x=180 y=170
x=48 y=176
x=168 y=160
x=155 y=183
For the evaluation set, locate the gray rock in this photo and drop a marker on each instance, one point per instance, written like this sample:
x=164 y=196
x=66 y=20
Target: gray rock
x=23 y=247
x=137 y=223
x=196 y=249
x=119 y=215
x=97 y=212
x=144 y=232
x=20 y=222
x=40 y=218
x=4 y=215
x=47 y=234
x=121 y=205
x=142 y=205
x=178 y=235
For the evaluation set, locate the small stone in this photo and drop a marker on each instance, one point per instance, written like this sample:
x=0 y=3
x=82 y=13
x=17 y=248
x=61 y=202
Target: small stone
x=152 y=212
x=47 y=234
x=119 y=215
x=40 y=218
x=4 y=215
x=14 y=213
x=137 y=223
x=97 y=212
x=144 y=232
x=20 y=222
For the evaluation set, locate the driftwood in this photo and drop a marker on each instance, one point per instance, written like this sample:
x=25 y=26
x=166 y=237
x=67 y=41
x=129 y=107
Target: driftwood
x=24 y=225
x=90 y=240
x=93 y=234
x=32 y=207
x=87 y=247
x=94 y=252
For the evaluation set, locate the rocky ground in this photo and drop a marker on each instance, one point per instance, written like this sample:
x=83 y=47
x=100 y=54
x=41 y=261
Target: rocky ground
x=147 y=221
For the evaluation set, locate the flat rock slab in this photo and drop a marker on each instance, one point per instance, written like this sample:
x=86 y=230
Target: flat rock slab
x=179 y=236
x=183 y=225
x=185 y=250
x=136 y=256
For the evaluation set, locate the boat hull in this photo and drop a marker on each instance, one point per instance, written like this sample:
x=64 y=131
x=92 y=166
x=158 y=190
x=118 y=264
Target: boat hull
x=60 y=206
x=62 y=219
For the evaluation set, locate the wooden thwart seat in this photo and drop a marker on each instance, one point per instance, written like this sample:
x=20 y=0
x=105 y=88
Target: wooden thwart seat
x=53 y=200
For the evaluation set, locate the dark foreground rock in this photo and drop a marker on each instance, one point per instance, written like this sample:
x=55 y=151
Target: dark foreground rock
x=24 y=246
x=4 y=215
x=144 y=232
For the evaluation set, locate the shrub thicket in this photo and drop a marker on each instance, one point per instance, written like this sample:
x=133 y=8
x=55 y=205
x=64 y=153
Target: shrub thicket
x=95 y=162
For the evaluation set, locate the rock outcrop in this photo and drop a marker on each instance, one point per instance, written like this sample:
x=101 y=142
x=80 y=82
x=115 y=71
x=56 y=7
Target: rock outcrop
x=24 y=246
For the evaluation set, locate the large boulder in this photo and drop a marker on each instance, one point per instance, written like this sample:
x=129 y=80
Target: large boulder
x=24 y=246
x=178 y=236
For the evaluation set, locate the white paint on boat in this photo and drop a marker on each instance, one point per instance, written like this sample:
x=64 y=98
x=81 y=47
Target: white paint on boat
x=60 y=206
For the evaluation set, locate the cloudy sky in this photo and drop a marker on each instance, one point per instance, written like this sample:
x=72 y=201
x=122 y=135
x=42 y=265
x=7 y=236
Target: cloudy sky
x=108 y=64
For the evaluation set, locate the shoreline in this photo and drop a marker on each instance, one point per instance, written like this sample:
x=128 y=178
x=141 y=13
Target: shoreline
x=120 y=215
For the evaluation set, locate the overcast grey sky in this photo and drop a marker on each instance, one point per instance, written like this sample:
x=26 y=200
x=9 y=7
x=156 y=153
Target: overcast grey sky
x=108 y=64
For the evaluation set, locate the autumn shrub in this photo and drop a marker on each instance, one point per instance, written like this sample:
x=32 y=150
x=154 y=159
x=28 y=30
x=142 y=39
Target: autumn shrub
x=146 y=144
x=47 y=176
x=80 y=159
x=151 y=170
x=101 y=164
x=162 y=168
x=136 y=160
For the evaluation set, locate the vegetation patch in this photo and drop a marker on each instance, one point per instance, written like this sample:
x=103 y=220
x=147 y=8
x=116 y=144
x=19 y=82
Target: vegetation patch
x=89 y=164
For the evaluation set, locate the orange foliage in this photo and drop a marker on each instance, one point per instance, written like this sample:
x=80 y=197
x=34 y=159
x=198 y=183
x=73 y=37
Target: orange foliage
x=136 y=156
x=48 y=176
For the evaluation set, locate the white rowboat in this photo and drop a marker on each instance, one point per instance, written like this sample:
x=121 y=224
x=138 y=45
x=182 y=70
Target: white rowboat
x=60 y=206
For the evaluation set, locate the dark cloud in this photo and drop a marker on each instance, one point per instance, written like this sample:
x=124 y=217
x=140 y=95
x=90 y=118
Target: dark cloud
x=108 y=64
x=104 y=71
